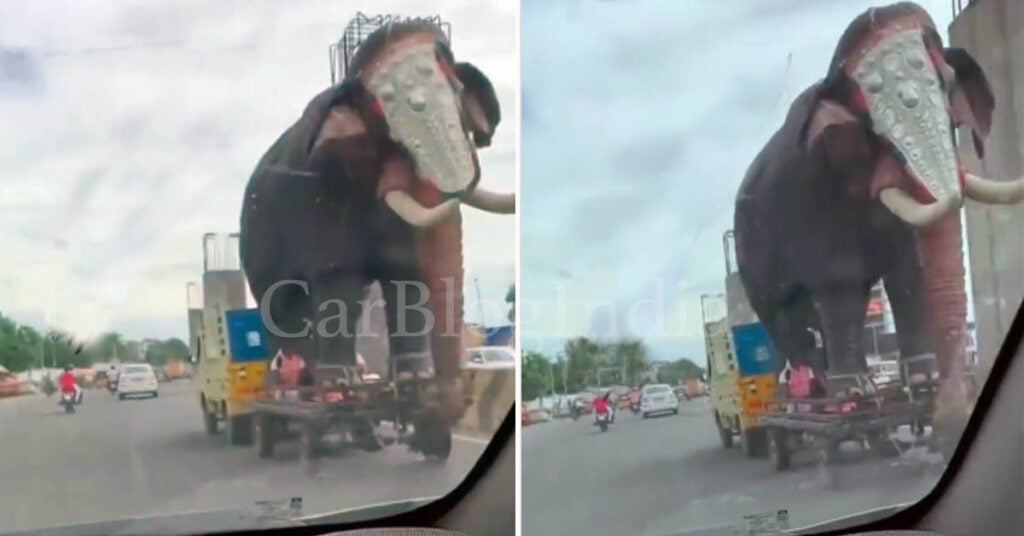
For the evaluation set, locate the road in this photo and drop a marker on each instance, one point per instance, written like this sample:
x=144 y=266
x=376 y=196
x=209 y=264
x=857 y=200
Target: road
x=114 y=460
x=666 y=475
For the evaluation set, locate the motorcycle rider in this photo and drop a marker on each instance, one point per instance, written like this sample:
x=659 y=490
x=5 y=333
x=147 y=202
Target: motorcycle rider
x=68 y=382
x=603 y=405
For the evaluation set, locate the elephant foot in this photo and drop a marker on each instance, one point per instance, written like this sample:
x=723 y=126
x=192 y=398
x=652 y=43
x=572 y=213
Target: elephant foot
x=331 y=383
x=412 y=366
x=847 y=391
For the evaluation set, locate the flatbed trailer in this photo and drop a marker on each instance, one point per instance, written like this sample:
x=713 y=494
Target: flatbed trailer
x=821 y=425
x=323 y=424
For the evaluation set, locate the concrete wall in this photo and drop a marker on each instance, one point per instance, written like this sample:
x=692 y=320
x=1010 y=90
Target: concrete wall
x=993 y=32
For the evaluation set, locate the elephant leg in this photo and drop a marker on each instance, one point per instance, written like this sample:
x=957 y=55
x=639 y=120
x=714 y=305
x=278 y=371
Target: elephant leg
x=788 y=328
x=405 y=296
x=904 y=285
x=291 y=314
x=842 y=308
x=337 y=296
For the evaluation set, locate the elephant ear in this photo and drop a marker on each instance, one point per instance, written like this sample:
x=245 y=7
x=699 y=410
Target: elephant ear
x=481 y=100
x=839 y=134
x=970 y=96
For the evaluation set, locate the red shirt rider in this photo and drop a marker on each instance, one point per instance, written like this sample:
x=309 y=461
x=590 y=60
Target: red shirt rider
x=600 y=405
x=67 y=381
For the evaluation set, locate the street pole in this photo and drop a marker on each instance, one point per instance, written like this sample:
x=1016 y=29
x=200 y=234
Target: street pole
x=565 y=374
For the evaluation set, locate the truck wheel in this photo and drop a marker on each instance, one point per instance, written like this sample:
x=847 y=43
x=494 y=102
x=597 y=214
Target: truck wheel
x=724 y=433
x=778 y=447
x=240 y=430
x=263 y=430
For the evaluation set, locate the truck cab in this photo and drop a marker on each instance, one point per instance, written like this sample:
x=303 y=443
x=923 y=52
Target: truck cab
x=740 y=362
x=227 y=341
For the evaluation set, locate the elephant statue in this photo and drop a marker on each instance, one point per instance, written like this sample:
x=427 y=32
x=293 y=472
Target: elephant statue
x=862 y=183
x=366 y=187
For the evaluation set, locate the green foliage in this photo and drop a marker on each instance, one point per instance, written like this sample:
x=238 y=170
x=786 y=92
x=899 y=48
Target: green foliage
x=536 y=372
x=22 y=347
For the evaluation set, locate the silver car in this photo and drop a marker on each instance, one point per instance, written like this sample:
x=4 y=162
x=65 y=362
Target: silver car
x=658 y=398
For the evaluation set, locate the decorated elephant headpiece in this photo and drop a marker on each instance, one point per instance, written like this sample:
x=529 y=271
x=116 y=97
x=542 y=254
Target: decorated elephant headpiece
x=438 y=110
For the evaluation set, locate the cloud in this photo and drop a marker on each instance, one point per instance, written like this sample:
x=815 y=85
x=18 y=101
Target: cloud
x=152 y=119
x=640 y=119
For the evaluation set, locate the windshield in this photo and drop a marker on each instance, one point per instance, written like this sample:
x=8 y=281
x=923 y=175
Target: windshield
x=162 y=166
x=741 y=192
x=657 y=390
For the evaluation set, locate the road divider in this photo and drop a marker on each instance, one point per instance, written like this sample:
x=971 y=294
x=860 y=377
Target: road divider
x=491 y=392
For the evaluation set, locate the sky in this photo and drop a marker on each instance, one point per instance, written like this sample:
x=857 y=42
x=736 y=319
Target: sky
x=640 y=118
x=131 y=129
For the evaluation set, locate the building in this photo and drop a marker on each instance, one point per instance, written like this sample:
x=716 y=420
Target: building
x=992 y=31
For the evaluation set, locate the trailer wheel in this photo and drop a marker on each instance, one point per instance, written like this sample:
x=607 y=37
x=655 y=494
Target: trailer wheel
x=264 y=429
x=753 y=441
x=240 y=430
x=724 y=432
x=309 y=448
x=433 y=438
x=882 y=445
x=778 y=447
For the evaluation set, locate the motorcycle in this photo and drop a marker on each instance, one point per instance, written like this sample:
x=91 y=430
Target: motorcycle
x=67 y=399
x=112 y=386
x=603 y=420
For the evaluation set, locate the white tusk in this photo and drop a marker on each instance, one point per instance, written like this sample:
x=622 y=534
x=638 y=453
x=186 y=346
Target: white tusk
x=416 y=214
x=909 y=210
x=994 y=192
x=490 y=201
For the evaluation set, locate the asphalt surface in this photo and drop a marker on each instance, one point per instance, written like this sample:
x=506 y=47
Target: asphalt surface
x=669 y=475
x=148 y=457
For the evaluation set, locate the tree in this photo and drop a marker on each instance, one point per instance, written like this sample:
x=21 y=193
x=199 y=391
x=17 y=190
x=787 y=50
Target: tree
x=536 y=372
x=583 y=357
x=679 y=370
x=630 y=356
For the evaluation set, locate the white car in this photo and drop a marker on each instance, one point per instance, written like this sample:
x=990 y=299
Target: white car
x=658 y=398
x=490 y=357
x=136 y=379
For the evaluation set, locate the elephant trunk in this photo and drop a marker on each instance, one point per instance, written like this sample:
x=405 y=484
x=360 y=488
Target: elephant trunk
x=440 y=249
x=941 y=248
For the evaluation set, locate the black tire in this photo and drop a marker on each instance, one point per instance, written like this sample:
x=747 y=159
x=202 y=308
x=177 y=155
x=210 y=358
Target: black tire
x=264 y=430
x=240 y=430
x=675 y=412
x=120 y=396
x=368 y=439
x=754 y=442
x=724 y=433
x=603 y=425
x=778 y=447
x=433 y=438
x=882 y=445
x=69 y=408
x=155 y=394
x=646 y=415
